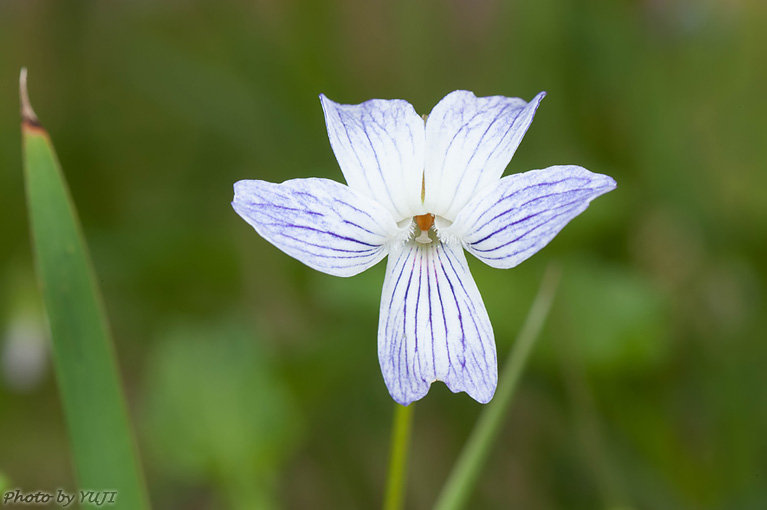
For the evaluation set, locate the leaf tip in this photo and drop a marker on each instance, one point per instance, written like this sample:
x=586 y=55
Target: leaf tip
x=28 y=116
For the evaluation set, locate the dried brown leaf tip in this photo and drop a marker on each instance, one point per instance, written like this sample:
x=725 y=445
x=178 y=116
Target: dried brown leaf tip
x=28 y=116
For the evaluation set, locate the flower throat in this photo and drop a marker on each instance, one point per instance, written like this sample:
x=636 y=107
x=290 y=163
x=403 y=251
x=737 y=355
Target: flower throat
x=424 y=222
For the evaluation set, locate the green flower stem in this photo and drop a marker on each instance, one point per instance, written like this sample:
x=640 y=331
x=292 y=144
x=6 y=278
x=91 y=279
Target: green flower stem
x=467 y=469
x=400 y=443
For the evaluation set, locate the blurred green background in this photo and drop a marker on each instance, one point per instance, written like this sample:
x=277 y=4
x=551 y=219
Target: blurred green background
x=253 y=381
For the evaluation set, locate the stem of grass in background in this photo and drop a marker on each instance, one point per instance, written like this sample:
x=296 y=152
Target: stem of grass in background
x=100 y=436
x=467 y=469
x=587 y=424
x=400 y=443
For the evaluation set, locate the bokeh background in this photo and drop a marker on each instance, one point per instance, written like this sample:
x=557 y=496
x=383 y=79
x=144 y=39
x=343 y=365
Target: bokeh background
x=253 y=381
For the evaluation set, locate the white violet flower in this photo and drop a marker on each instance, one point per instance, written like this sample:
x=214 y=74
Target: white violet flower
x=422 y=190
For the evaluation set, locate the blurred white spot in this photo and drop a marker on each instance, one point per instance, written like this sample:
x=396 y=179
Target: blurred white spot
x=24 y=355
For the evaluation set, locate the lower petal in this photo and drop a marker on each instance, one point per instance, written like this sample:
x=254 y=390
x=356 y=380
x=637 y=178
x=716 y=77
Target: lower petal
x=434 y=326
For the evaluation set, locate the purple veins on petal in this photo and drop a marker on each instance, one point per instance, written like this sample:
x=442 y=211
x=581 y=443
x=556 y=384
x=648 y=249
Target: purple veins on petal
x=496 y=226
x=532 y=216
x=470 y=140
x=322 y=223
x=379 y=146
x=440 y=326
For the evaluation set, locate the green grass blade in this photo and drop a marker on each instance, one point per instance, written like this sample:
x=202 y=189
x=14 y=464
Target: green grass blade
x=101 y=440
x=467 y=469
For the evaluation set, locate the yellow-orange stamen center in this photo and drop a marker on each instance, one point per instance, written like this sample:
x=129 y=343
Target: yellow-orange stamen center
x=424 y=221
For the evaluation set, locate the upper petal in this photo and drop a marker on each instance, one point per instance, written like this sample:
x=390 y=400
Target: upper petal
x=510 y=221
x=322 y=223
x=379 y=145
x=433 y=325
x=469 y=142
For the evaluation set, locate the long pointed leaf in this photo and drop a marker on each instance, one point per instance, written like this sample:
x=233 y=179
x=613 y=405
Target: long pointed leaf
x=100 y=435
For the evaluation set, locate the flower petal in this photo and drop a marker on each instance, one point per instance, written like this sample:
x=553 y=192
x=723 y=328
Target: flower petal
x=322 y=223
x=379 y=145
x=469 y=142
x=507 y=223
x=433 y=325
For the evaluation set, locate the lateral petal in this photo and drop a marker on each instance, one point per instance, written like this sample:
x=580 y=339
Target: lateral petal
x=433 y=325
x=469 y=142
x=510 y=221
x=379 y=145
x=322 y=223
